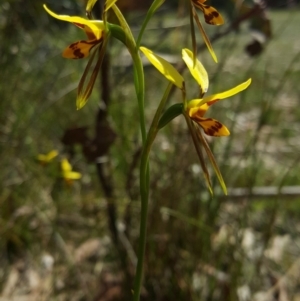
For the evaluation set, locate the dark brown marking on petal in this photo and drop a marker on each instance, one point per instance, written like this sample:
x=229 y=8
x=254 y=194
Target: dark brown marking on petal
x=209 y=132
x=211 y=16
x=77 y=52
x=214 y=128
x=74 y=45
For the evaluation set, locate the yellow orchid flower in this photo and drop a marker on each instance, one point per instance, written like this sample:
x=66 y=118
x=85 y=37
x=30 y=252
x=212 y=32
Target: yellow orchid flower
x=195 y=109
x=211 y=16
x=67 y=173
x=96 y=41
x=93 y=29
x=45 y=159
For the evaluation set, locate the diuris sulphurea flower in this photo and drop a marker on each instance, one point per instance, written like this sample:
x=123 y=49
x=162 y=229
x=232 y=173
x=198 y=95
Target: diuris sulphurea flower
x=195 y=109
x=94 y=46
x=94 y=30
x=211 y=16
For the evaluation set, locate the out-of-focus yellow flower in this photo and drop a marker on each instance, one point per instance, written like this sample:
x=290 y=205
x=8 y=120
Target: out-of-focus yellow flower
x=195 y=109
x=45 y=159
x=67 y=173
x=211 y=16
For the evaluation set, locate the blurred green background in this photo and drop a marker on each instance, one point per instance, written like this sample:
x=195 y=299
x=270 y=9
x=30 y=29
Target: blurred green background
x=57 y=241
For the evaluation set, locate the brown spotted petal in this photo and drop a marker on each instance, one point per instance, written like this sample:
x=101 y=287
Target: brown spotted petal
x=80 y=49
x=211 y=15
x=212 y=127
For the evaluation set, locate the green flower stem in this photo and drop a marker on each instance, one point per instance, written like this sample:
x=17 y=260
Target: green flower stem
x=144 y=191
x=139 y=79
x=155 y=5
x=126 y=37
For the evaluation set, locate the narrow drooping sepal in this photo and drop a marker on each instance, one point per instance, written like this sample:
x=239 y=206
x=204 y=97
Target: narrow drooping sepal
x=89 y=77
x=204 y=36
x=171 y=113
x=197 y=144
x=212 y=160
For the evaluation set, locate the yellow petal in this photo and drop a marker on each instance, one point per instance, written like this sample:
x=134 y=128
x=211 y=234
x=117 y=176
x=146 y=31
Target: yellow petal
x=91 y=34
x=109 y=4
x=94 y=26
x=71 y=175
x=65 y=165
x=212 y=127
x=226 y=94
x=194 y=103
x=164 y=67
x=211 y=15
x=197 y=70
x=80 y=49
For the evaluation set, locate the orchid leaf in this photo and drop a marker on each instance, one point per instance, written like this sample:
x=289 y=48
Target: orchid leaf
x=171 y=113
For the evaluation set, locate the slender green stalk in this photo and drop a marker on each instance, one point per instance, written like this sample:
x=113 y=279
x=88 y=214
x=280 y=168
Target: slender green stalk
x=139 y=82
x=155 y=5
x=139 y=79
x=144 y=191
